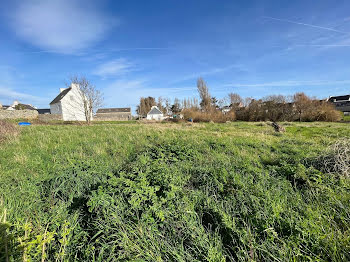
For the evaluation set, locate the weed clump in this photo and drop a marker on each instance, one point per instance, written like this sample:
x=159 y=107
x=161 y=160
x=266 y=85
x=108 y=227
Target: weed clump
x=7 y=130
x=337 y=158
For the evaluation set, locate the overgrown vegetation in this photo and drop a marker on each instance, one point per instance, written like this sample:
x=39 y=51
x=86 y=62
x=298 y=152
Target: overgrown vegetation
x=173 y=192
x=7 y=130
x=298 y=107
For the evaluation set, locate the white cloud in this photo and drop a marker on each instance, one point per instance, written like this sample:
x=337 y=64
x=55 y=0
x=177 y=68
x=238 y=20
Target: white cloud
x=128 y=92
x=114 y=68
x=7 y=95
x=212 y=71
x=64 y=26
x=308 y=25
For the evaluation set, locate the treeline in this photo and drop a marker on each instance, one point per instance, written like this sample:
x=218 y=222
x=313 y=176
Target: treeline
x=297 y=107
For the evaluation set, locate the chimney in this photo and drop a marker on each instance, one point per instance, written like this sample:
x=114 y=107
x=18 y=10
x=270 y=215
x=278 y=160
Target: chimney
x=74 y=85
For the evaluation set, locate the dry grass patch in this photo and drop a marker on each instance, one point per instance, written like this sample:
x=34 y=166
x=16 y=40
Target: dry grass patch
x=337 y=159
x=7 y=130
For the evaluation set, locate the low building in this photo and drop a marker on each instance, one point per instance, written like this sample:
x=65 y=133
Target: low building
x=113 y=114
x=341 y=103
x=44 y=111
x=155 y=114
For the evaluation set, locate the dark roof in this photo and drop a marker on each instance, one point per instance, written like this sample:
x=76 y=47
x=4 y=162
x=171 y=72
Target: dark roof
x=114 y=110
x=155 y=111
x=339 y=98
x=60 y=96
x=44 y=111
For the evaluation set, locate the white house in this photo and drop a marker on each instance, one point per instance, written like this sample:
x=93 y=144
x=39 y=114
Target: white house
x=155 y=114
x=69 y=104
x=16 y=105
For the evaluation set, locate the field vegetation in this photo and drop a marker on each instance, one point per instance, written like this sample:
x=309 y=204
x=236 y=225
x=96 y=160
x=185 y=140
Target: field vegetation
x=174 y=192
x=297 y=107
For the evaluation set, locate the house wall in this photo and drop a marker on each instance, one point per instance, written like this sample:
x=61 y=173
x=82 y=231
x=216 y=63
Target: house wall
x=56 y=109
x=73 y=106
x=157 y=117
x=115 y=116
x=18 y=114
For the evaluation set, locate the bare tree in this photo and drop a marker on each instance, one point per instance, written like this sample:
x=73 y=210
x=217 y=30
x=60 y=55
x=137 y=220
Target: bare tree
x=274 y=107
x=302 y=103
x=235 y=99
x=145 y=105
x=204 y=94
x=167 y=105
x=176 y=107
x=91 y=97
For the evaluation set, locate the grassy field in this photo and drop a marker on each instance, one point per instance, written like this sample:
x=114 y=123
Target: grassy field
x=173 y=192
x=347 y=118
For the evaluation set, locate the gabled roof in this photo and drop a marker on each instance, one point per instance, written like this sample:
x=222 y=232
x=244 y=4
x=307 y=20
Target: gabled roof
x=114 y=110
x=155 y=111
x=339 y=98
x=60 y=96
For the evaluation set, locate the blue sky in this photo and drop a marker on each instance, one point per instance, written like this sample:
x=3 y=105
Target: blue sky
x=138 y=48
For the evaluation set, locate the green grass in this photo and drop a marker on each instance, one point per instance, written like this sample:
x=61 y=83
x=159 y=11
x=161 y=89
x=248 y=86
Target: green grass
x=347 y=118
x=172 y=192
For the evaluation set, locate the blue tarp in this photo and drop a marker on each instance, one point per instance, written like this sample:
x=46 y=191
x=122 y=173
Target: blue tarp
x=24 y=124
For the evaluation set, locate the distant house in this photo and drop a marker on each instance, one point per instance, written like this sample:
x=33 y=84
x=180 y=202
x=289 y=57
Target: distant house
x=341 y=103
x=5 y=107
x=113 y=114
x=226 y=109
x=69 y=104
x=155 y=114
x=16 y=105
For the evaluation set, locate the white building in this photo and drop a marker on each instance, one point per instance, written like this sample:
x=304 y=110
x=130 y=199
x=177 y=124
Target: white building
x=69 y=104
x=16 y=105
x=155 y=114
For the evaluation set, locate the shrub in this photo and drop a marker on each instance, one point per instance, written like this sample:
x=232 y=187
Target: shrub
x=303 y=108
x=212 y=116
x=7 y=130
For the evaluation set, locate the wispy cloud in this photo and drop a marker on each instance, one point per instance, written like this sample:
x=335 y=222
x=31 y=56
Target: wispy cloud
x=144 y=85
x=304 y=24
x=126 y=85
x=60 y=25
x=8 y=94
x=103 y=52
x=212 y=71
x=114 y=68
x=126 y=92
x=325 y=45
x=140 y=49
x=292 y=83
